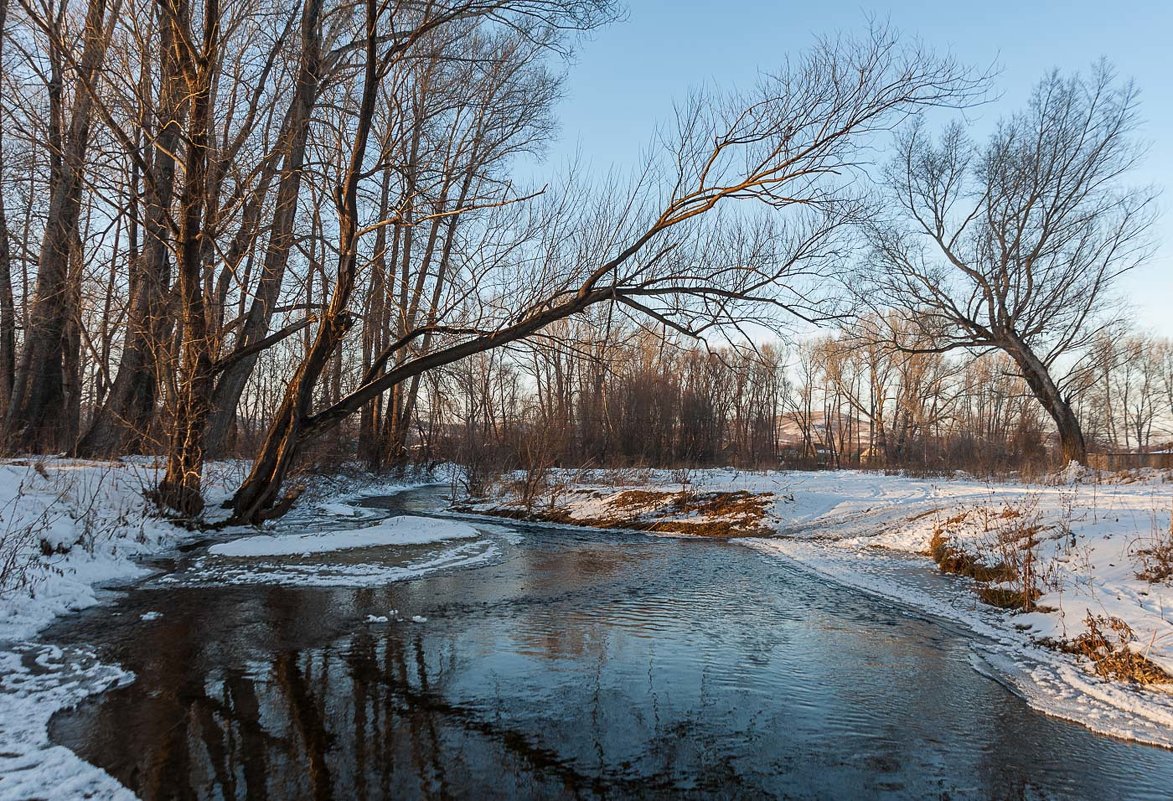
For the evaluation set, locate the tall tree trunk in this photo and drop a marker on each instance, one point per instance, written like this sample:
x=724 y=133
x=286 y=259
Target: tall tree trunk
x=375 y=334
x=180 y=488
x=7 y=306
x=71 y=367
x=1043 y=387
x=37 y=417
x=122 y=424
x=231 y=383
x=259 y=492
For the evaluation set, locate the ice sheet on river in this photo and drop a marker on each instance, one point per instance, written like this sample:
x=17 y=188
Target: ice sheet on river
x=400 y=530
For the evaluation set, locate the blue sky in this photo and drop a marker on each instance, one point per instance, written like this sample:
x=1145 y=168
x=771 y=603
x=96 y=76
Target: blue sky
x=626 y=76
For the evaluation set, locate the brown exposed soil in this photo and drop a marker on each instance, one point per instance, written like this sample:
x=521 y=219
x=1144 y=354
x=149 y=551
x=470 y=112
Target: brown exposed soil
x=700 y=514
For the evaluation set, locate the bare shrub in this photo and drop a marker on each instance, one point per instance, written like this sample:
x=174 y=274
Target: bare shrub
x=1006 y=564
x=1155 y=557
x=1107 y=643
x=18 y=545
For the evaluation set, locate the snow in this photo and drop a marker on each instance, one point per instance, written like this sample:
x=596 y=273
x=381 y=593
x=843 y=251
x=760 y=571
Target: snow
x=35 y=682
x=218 y=572
x=400 y=530
x=68 y=527
x=873 y=532
x=93 y=519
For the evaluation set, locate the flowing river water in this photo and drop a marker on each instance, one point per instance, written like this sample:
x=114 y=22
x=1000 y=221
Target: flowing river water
x=563 y=663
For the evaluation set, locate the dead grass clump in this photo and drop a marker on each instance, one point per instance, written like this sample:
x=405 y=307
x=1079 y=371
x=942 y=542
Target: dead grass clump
x=1005 y=574
x=739 y=504
x=639 y=499
x=1156 y=559
x=1107 y=643
x=1009 y=597
x=959 y=563
x=1156 y=563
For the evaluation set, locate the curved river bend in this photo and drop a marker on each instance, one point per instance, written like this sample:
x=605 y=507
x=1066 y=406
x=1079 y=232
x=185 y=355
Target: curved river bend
x=572 y=664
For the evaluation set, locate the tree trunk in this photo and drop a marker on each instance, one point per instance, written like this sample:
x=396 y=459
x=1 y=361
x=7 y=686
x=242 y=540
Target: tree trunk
x=259 y=492
x=180 y=488
x=37 y=417
x=122 y=424
x=1043 y=387
x=233 y=379
x=257 y=496
x=7 y=306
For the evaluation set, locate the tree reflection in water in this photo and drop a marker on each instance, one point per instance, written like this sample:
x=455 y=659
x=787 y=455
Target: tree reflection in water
x=579 y=666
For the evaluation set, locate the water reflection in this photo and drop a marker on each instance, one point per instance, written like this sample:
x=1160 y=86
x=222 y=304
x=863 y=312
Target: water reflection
x=576 y=667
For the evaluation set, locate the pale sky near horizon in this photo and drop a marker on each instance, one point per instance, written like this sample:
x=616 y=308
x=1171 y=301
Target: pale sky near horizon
x=625 y=77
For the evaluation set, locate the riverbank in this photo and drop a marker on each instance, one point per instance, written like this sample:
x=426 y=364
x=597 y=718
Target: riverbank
x=1069 y=577
x=1094 y=545
x=69 y=528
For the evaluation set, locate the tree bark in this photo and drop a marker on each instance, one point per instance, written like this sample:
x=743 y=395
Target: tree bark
x=1048 y=394
x=231 y=383
x=180 y=488
x=37 y=416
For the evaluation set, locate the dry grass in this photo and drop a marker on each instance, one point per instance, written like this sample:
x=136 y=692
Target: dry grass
x=1107 y=643
x=1006 y=577
x=1156 y=558
x=639 y=499
x=960 y=563
x=699 y=514
x=1009 y=597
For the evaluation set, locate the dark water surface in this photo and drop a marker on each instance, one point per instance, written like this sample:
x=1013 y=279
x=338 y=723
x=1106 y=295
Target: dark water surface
x=576 y=665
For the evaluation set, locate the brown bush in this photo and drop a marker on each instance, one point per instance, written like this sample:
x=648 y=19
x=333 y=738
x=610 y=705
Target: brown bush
x=1107 y=643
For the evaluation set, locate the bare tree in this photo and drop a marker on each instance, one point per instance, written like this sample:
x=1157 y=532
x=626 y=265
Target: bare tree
x=1015 y=245
x=7 y=306
x=782 y=146
x=36 y=418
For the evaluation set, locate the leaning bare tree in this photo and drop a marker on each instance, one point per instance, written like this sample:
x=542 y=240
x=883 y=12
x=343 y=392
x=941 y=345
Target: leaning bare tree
x=1015 y=244
x=664 y=252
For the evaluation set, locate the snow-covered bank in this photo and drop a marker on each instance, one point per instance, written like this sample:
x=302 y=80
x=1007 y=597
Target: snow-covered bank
x=68 y=527
x=1081 y=545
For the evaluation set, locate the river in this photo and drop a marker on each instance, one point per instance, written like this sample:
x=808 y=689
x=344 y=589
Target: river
x=566 y=664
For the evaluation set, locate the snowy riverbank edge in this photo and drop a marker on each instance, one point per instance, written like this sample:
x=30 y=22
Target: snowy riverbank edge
x=873 y=532
x=74 y=527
